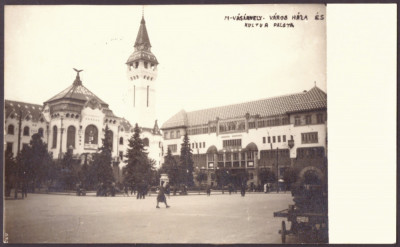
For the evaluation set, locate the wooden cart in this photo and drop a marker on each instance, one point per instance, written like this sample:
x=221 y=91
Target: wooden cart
x=312 y=226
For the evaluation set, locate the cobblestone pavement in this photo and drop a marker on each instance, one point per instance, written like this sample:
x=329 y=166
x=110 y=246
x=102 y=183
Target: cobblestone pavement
x=219 y=219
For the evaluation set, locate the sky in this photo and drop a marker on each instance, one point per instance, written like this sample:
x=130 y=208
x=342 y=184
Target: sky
x=205 y=60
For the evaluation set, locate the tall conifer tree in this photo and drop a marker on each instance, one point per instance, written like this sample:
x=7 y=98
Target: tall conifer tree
x=138 y=166
x=102 y=160
x=186 y=162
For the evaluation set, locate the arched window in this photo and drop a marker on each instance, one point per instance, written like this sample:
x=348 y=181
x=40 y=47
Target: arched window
x=54 y=137
x=71 y=137
x=146 y=142
x=26 y=131
x=121 y=141
x=40 y=131
x=91 y=135
x=10 y=130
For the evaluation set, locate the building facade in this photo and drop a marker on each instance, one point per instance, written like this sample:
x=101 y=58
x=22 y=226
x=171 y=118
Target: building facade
x=76 y=118
x=270 y=134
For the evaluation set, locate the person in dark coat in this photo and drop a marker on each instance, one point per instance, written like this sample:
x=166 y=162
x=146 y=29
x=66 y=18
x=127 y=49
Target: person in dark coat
x=208 y=190
x=243 y=189
x=161 y=196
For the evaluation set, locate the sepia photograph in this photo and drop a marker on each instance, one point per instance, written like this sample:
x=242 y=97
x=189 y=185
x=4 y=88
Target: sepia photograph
x=165 y=124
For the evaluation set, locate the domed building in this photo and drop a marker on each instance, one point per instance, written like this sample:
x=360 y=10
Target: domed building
x=75 y=119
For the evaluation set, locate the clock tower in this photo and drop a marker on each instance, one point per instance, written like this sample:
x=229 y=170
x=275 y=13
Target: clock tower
x=142 y=74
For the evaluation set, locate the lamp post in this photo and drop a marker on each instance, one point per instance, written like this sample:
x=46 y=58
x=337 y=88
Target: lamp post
x=277 y=171
x=19 y=115
x=62 y=131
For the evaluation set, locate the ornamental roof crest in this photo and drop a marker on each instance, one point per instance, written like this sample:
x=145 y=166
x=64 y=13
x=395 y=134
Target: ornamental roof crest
x=93 y=103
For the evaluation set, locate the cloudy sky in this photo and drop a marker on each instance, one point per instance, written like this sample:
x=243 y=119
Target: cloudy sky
x=205 y=59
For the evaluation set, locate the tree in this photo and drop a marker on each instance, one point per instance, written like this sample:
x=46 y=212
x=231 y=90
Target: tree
x=170 y=167
x=68 y=174
x=266 y=176
x=138 y=165
x=9 y=173
x=290 y=176
x=186 y=162
x=33 y=162
x=102 y=161
x=223 y=177
x=201 y=177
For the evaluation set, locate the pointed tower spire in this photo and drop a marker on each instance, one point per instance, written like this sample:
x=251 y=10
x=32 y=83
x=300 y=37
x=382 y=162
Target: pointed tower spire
x=142 y=39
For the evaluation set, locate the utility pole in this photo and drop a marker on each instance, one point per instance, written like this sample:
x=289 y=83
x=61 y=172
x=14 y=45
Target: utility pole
x=277 y=171
x=18 y=153
x=62 y=130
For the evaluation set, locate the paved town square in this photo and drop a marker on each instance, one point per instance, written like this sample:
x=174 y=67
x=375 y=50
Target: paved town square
x=220 y=218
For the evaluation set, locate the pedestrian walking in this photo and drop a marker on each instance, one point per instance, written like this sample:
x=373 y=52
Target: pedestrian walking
x=208 y=190
x=243 y=190
x=161 y=196
x=126 y=192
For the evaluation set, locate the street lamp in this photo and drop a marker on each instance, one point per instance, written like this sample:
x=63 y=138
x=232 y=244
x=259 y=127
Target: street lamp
x=62 y=131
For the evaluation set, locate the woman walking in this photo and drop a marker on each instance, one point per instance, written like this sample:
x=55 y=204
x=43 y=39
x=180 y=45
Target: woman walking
x=161 y=196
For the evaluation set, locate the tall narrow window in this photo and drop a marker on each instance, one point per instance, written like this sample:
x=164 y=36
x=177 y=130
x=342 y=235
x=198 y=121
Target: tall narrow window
x=71 y=137
x=9 y=147
x=121 y=141
x=308 y=119
x=147 y=96
x=26 y=131
x=54 y=137
x=10 y=130
x=263 y=139
x=146 y=142
x=279 y=138
x=320 y=118
x=297 y=120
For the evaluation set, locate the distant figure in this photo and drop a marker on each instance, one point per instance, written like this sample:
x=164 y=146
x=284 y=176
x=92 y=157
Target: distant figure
x=265 y=188
x=161 y=196
x=243 y=190
x=208 y=190
x=230 y=188
x=126 y=192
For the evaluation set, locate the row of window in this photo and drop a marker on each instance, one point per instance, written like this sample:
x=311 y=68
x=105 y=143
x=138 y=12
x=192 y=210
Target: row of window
x=144 y=77
x=146 y=65
x=310 y=137
x=198 y=131
x=27 y=118
x=232 y=156
x=173 y=148
x=25 y=132
x=316 y=152
x=232 y=143
x=232 y=126
x=272 y=154
x=198 y=145
x=172 y=134
x=309 y=120
x=273 y=122
x=273 y=139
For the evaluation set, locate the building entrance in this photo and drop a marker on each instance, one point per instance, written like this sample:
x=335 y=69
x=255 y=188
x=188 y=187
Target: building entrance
x=238 y=176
